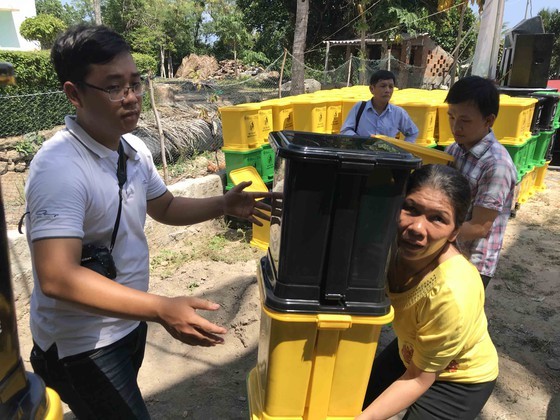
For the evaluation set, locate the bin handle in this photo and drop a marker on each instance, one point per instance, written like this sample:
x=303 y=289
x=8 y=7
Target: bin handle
x=334 y=322
x=358 y=166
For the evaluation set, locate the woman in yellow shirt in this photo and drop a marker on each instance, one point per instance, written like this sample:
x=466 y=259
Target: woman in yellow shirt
x=443 y=364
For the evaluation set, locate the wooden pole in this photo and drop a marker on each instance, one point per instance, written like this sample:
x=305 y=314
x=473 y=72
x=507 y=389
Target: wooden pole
x=349 y=71
x=326 y=62
x=282 y=73
x=160 y=130
x=363 y=28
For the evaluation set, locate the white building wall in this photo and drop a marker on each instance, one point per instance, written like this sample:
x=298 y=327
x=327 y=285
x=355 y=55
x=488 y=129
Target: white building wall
x=12 y=14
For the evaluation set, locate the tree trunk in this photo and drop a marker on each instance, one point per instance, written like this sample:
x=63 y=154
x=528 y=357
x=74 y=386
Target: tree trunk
x=170 y=65
x=235 y=60
x=162 y=60
x=97 y=11
x=456 y=52
x=298 y=50
x=363 y=28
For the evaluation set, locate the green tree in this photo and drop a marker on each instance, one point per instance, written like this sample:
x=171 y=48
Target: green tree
x=164 y=29
x=50 y=7
x=551 y=23
x=70 y=14
x=42 y=28
x=273 y=23
x=226 y=23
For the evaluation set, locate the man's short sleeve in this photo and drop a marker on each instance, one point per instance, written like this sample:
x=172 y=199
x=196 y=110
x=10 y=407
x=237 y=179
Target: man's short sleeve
x=56 y=200
x=155 y=187
x=494 y=187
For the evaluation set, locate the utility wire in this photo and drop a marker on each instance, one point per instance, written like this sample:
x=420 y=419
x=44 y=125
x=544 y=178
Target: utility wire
x=341 y=28
x=385 y=30
x=417 y=20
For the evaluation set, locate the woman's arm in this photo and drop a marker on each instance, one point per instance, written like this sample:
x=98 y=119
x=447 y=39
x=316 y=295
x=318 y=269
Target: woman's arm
x=400 y=395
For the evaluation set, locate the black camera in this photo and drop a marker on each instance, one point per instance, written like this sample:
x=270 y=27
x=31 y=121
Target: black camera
x=100 y=260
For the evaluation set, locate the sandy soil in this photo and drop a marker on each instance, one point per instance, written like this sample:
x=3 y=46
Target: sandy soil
x=216 y=263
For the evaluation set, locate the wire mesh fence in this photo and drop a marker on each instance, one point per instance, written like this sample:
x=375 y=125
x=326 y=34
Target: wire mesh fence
x=188 y=111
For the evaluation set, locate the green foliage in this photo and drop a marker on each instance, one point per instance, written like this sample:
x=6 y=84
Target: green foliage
x=22 y=109
x=35 y=75
x=49 y=7
x=272 y=22
x=254 y=58
x=227 y=24
x=145 y=63
x=29 y=113
x=155 y=26
x=71 y=14
x=42 y=28
x=551 y=23
x=34 y=72
x=30 y=144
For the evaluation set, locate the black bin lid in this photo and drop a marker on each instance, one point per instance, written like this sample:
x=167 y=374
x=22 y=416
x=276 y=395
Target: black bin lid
x=349 y=151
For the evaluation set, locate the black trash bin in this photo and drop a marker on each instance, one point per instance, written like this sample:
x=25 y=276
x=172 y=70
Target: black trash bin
x=333 y=230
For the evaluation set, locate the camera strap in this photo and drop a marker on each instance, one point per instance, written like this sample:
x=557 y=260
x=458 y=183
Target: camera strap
x=121 y=176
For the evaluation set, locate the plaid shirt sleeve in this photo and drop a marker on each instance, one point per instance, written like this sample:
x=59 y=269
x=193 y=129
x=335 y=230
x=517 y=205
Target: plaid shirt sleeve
x=494 y=187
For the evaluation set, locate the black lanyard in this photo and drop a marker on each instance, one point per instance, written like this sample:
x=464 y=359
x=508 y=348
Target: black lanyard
x=121 y=176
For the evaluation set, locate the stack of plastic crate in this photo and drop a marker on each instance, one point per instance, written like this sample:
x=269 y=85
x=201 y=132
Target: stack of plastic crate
x=322 y=284
x=245 y=130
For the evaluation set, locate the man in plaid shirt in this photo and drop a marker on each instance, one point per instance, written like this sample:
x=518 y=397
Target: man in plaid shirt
x=473 y=107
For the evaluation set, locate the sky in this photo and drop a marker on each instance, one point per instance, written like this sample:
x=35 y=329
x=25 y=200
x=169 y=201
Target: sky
x=514 y=10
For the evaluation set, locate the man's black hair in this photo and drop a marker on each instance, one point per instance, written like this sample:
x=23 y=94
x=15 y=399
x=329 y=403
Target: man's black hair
x=477 y=90
x=82 y=45
x=381 y=75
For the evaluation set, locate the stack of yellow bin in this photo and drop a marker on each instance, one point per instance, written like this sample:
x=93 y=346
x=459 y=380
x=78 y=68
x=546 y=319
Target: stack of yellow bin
x=322 y=283
x=245 y=130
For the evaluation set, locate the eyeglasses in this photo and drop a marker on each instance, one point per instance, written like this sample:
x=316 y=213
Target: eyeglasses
x=118 y=93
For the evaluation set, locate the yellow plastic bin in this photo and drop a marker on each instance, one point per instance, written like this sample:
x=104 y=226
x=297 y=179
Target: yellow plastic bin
x=540 y=174
x=54 y=405
x=261 y=234
x=310 y=113
x=334 y=115
x=514 y=117
x=423 y=113
x=240 y=126
x=445 y=135
x=312 y=366
x=282 y=113
x=427 y=154
x=266 y=122
x=526 y=187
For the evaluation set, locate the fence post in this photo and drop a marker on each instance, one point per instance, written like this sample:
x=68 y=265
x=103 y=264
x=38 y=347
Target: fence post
x=160 y=130
x=349 y=71
x=282 y=73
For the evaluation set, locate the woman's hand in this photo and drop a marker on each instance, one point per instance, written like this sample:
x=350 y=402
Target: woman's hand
x=400 y=395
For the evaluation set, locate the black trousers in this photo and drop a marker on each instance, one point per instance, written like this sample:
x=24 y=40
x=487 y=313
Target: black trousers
x=443 y=400
x=99 y=384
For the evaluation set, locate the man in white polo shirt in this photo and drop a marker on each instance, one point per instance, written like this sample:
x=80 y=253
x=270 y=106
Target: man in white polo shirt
x=88 y=193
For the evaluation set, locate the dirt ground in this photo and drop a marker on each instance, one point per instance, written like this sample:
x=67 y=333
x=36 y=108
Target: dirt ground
x=217 y=263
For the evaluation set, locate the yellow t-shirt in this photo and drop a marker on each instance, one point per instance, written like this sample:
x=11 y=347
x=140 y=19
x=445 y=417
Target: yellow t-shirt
x=441 y=325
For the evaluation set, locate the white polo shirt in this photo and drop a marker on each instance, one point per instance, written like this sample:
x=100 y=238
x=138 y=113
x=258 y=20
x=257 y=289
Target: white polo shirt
x=72 y=192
